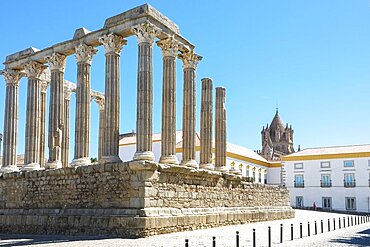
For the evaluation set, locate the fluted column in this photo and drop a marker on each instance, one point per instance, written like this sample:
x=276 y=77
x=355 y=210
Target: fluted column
x=9 y=163
x=190 y=61
x=33 y=71
x=220 y=129
x=110 y=152
x=44 y=88
x=84 y=54
x=57 y=63
x=65 y=143
x=206 y=125
x=102 y=123
x=170 y=49
x=145 y=32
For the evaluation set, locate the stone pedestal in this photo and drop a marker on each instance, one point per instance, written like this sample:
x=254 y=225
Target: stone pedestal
x=109 y=149
x=65 y=143
x=220 y=130
x=206 y=124
x=12 y=78
x=84 y=54
x=57 y=64
x=33 y=71
x=168 y=144
x=145 y=32
x=190 y=61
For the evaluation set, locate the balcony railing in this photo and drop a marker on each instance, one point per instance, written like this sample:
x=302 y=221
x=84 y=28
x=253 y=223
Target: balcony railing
x=349 y=184
x=299 y=184
x=325 y=183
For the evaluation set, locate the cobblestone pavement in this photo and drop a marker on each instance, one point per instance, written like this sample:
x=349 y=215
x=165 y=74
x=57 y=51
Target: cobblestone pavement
x=357 y=235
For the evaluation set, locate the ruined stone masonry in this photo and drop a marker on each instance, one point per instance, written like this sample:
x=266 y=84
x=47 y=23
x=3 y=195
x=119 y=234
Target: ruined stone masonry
x=127 y=199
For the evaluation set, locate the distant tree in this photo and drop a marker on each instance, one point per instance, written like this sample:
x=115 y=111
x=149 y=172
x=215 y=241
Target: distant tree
x=93 y=160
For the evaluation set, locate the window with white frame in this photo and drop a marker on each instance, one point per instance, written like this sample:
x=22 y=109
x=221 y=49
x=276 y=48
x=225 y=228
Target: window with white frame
x=350 y=203
x=326 y=202
x=325 y=180
x=298 y=165
x=349 y=180
x=349 y=163
x=298 y=181
x=299 y=202
x=325 y=164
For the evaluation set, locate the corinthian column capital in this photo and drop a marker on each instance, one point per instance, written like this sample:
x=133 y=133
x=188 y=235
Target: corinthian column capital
x=145 y=32
x=34 y=69
x=190 y=60
x=57 y=62
x=112 y=43
x=85 y=53
x=11 y=77
x=67 y=91
x=169 y=46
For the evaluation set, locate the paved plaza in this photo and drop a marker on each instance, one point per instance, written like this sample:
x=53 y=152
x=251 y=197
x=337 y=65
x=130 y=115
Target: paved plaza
x=357 y=235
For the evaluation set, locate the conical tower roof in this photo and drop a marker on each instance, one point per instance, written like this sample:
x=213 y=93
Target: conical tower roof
x=276 y=121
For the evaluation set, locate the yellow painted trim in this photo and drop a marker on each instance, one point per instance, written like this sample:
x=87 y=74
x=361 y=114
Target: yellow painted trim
x=273 y=165
x=327 y=156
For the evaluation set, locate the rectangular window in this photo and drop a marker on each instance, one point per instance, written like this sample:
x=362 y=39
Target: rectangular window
x=325 y=164
x=326 y=202
x=298 y=181
x=349 y=163
x=259 y=177
x=350 y=203
x=298 y=165
x=325 y=180
x=349 y=180
x=368 y=163
x=299 y=202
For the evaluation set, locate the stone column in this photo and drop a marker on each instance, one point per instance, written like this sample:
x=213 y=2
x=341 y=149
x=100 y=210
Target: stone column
x=12 y=78
x=110 y=152
x=57 y=63
x=145 y=32
x=84 y=54
x=170 y=49
x=44 y=89
x=190 y=61
x=33 y=71
x=65 y=143
x=206 y=125
x=102 y=123
x=220 y=129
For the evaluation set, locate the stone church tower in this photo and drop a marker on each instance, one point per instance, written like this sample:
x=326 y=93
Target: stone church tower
x=277 y=139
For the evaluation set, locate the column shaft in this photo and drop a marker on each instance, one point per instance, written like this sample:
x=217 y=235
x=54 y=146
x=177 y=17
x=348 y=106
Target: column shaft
x=206 y=124
x=101 y=133
x=65 y=144
x=43 y=123
x=220 y=129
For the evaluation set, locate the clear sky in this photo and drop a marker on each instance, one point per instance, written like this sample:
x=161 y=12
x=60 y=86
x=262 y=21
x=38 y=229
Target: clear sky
x=311 y=58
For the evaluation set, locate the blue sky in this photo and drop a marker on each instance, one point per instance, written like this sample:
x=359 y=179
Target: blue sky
x=311 y=58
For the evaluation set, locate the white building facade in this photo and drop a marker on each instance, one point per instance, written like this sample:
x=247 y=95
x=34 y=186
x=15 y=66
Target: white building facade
x=332 y=178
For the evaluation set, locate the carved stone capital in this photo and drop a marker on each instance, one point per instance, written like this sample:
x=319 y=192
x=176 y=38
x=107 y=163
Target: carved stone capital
x=34 y=69
x=169 y=46
x=112 y=43
x=67 y=92
x=57 y=62
x=85 y=53
x=12 y=77
x=146 y=32
x=190 y=60
x=44 y=86
x=101 y=103
x=99 y=98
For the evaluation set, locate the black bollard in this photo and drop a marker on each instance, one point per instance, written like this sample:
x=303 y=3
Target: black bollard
x=322 y=226
x=300 y=230
x=328 y=225
x=344 y=222
x=281 y=233
x=339 y=222
x=348 y=221
x=213 y=241
x=186 y=242
x=308 y=229
x=315 y=227
x=351 y=220
x=334 y=224
x=291 y=232
x=237 y=238
x=254 y=237
x=269 y=237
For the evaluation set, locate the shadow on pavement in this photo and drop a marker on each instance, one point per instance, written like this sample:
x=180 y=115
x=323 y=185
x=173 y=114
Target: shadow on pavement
x=361 y=238
x=21 y=239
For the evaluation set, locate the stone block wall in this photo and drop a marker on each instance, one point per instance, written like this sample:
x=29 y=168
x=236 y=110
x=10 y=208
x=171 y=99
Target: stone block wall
x=133 y=199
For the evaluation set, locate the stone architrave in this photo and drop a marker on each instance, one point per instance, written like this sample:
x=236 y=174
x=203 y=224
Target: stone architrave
x=109 y=149
x=206 y=125
x=65 y=143
x=84 y=55
x=12 y=78
x=220 y=151
x=33 y=71
x=44 y=89
x=57 y=64
x=170 y=49
x=145 y=32
x=190 y=61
